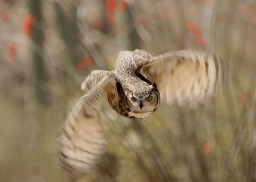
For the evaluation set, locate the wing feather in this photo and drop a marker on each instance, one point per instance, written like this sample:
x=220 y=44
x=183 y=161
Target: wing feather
x=82 y=141
x=185 y=77
x=95 y=83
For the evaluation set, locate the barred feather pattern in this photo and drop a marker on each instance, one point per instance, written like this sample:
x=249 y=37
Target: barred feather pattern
x=186 y=77
x=82 y=142
x=95 y=79
x=95 y=83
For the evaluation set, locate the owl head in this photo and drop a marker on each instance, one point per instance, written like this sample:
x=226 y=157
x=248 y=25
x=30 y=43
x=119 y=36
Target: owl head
x=141 y=104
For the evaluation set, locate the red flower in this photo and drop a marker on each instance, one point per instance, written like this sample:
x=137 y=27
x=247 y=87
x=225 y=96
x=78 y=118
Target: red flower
x=111 y=7
x=12 y=52
x=194 y=28
x=4 y=14
x=244 y=97
x=207 y=149
x=144 y=21
x=86 y=61
x=209 y=1
x=199 y=39
x=28 y=24
x=125 y=5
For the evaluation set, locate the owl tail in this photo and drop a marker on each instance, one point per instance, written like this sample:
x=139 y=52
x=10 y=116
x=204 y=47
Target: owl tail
x=82 y=141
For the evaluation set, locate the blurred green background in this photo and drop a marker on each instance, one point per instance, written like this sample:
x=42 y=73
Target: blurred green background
x=47 y=49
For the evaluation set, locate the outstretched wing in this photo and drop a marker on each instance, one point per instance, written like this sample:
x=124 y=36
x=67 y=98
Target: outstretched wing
x=82 y=142
x=95 y=83
x=187 y=77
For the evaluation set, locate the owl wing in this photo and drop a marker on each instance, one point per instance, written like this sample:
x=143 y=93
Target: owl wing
x=185 y=77
x=95 y=83
x=82 y=141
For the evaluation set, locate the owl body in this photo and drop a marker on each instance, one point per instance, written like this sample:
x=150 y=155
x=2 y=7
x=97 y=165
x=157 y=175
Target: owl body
x=133 y=90
x=134 y=87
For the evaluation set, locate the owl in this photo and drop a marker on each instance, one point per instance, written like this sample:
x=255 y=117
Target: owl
x=135 y=89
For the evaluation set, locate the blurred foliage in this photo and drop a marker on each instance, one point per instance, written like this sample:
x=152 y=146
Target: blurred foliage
x=47 y=49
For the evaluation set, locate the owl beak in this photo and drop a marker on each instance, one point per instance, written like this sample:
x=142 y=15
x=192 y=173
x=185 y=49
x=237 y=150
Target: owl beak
x=141 y=105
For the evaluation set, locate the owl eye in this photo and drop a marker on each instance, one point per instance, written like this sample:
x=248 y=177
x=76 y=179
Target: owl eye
x=149 y=98
x=133 y=99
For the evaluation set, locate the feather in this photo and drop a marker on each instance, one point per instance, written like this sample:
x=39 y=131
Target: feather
x=186 y=77
x=96 y=82
x=82 y=141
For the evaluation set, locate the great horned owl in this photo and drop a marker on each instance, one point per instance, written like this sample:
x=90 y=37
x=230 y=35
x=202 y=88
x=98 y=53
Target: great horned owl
x=134 y=90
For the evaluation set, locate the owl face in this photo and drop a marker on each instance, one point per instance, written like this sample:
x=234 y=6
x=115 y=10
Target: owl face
x=142 y=106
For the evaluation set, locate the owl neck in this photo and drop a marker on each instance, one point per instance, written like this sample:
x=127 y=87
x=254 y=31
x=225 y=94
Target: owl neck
x=141 y=77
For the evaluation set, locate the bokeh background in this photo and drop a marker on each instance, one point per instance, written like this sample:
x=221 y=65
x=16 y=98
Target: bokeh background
x=48 y=47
